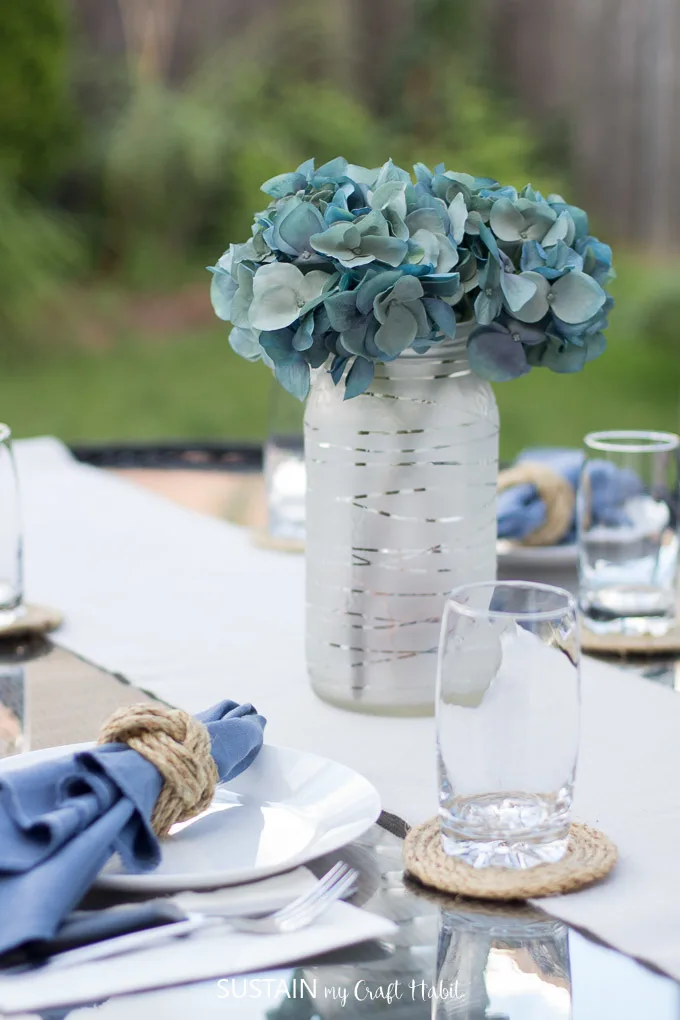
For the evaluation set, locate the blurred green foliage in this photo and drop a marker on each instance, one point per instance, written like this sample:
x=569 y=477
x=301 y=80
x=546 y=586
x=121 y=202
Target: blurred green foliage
x=36 y=115
x=38 y=248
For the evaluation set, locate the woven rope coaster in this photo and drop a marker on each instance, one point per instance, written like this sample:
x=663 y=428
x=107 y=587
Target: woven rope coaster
x=631 y=644
x=33 y=620
x=589 y=857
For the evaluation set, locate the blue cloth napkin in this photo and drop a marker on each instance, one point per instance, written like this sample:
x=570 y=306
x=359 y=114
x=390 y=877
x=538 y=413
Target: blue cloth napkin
x=61 y=820
x=521 y=510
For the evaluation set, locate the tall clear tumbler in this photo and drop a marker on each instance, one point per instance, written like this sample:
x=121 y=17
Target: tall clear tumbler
x=508 y=697
x=11 y=572
x=284 y=466
x=628 y=532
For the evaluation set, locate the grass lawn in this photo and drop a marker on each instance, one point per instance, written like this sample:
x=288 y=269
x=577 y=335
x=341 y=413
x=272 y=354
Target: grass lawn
x=189 y=384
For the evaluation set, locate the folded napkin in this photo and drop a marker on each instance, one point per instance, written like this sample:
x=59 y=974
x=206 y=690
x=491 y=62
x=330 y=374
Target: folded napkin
x=60 y=821
x=521 y=510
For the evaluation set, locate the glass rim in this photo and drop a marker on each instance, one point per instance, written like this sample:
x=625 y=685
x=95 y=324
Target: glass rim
x=5 y=432
x=570 y=605
x=632 y=441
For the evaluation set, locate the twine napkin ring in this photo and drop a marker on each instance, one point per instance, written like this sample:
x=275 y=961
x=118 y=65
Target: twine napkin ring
x=555 y=491
x=179 y=747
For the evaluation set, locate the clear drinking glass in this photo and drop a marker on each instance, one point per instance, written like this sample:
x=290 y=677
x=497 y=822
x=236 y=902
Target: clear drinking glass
x=11 y=574
x=628 y=532
x=508 y=695
x=284 y=466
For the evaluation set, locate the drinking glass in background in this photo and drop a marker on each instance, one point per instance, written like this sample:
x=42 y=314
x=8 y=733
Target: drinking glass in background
x=11 y=572
x=284 y=466
x=508 y=702
x=627 y=515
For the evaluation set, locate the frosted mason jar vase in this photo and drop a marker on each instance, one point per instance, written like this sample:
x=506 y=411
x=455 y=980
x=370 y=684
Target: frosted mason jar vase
x=401 y=508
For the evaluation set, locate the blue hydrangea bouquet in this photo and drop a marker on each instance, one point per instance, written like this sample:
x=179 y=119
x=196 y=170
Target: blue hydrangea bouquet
x=348 y=267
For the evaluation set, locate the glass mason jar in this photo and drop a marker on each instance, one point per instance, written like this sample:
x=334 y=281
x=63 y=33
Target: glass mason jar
x=401 y=508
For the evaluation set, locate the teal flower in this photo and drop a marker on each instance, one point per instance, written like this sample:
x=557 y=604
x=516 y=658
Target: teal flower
x=573 y=298
x=282 y=293
x=578 y=216
x=365 y=240
x=349 y=266
x=500 y=286
x=550 y=263
x=522 y=220
x=497 y=351
x=401 y=315
x=390 y=200
x=246 y=342
x=597 y=259
x=292 y=227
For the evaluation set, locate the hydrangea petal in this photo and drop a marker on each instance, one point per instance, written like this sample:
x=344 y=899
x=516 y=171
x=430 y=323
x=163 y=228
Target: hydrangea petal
x=246 y=343
x=284 y=184
x=222 y=291
x=362 y=175
x=312 y=284
x=494 y=355
x=303 y=337
x=595 y=346
x=342 y=311
x=488 y=306
x=537 y=306
x=274 y=309
x=518 y=290
x=559 y=231
x=397 y=331
x=370 y=287
x=293 y=374
x=276 y=274
x=576 y=297
x=334 y=168
x=506 y=220
x=390 y=250
x=564 y=358
x=359 y=377
x=458 y=215
x=391 y=172
x=299 y=224
x=390 y=193
x=442 y=315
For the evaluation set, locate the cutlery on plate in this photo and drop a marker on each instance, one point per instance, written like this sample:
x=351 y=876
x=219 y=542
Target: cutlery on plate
x=300 y=912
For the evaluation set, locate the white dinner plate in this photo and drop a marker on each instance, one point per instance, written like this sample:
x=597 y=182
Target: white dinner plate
x=514 y=554
x=287 y=808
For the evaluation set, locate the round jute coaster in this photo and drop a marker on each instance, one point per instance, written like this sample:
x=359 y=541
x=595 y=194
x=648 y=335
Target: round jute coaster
x=32 y=620
x=590 y=856
x=631 y=644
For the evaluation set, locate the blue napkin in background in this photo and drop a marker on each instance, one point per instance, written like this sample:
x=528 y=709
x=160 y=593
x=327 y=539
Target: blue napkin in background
x=61 y=820
x=521 y=510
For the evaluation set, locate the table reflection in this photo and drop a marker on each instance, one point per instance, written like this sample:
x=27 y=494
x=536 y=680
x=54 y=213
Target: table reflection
x=497 y=966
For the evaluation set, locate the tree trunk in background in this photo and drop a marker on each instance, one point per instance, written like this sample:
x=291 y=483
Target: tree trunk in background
x=611 y=69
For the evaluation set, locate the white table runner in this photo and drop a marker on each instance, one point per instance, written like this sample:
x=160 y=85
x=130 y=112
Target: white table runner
x=185 y=607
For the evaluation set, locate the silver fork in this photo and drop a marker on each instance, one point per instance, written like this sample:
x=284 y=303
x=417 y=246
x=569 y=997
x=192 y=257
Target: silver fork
x=332 y=886
x=335 y=884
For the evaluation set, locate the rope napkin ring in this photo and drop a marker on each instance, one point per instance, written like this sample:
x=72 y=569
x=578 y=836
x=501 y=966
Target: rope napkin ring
x=179 y=747
x=555 y=491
